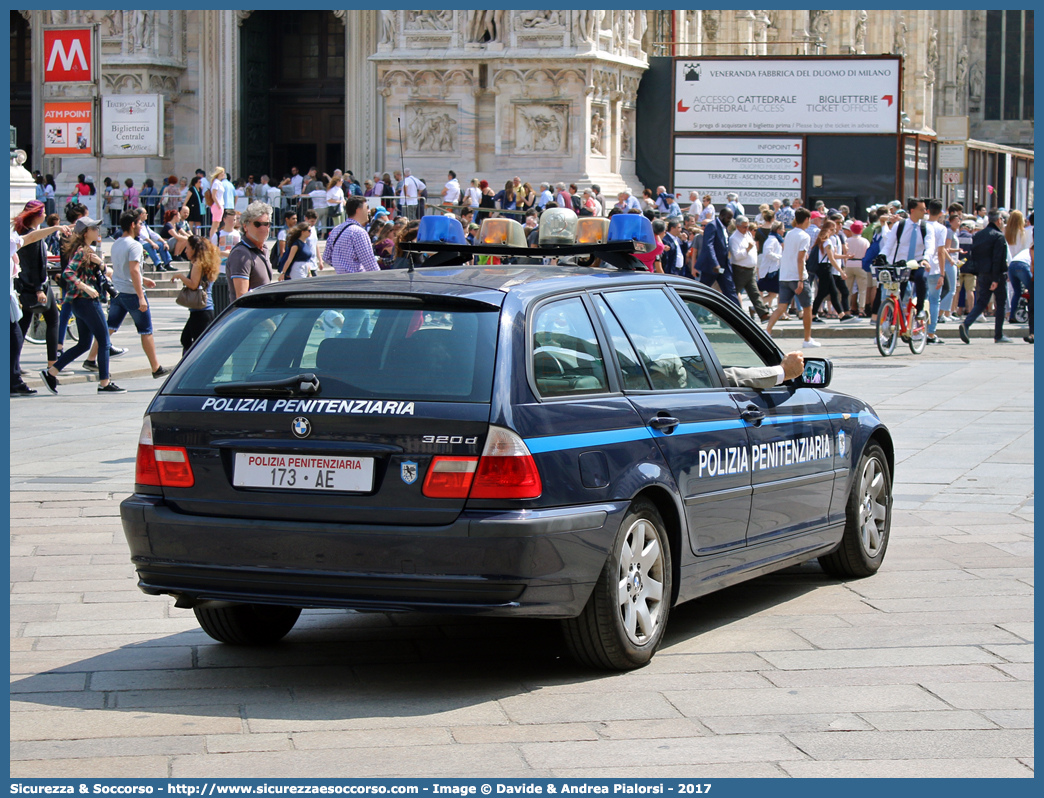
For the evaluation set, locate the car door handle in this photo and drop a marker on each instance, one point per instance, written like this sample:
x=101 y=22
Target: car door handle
x=753 y=414
x=665 y=424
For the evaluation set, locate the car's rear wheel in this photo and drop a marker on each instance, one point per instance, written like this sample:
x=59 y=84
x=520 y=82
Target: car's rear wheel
x=247 y=624
x=868 y=520
x=623 y=622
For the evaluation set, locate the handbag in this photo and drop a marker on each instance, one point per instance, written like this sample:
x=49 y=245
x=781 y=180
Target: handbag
x=193 y=298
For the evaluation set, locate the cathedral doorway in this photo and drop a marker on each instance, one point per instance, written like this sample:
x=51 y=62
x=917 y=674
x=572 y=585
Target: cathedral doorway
x=293 y=92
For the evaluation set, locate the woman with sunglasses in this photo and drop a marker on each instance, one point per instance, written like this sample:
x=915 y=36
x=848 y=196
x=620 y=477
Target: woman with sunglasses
x=83 y=275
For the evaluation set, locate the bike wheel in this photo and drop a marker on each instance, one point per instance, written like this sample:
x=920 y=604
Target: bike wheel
x=37 y=332
x=72 y=333
x=1022 y=311
x=918 y=333
x=887 y=329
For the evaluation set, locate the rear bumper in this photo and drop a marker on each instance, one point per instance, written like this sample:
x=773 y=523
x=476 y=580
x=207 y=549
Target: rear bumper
x=537 y=563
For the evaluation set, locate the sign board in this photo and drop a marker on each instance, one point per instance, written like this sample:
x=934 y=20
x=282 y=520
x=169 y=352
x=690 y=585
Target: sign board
x=757 y=169
x=951 y=128
x=69 y=55
x=952 y=178
x=132 y=125
x=951 y=156
x=794 y=95
x=68 y=128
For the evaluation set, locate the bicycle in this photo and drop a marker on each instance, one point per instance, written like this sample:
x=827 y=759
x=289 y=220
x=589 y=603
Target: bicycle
x=1022 y=307
x=892 y=321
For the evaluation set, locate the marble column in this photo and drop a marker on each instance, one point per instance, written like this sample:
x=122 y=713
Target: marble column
x=219 y=90
x=363 y=105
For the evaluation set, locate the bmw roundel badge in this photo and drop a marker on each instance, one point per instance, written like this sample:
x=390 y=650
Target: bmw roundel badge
x=301 y=427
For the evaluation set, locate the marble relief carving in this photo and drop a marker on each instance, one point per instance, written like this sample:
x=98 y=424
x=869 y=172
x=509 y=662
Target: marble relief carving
x=541 y=128
x=860 y=33
x=627 y=133
x=112 y=24
x=597 y=138
x=962 y=68
x=140 y=29
x=540 y=19
x=485 y=26
x=429 y=20
x=431 y=128
x=588 y=24
x=387 y=26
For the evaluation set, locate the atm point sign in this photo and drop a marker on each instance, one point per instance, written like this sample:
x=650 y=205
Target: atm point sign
x=68 y=55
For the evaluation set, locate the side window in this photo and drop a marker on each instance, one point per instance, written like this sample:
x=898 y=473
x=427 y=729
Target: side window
x=731 y=348
x=663 y=342
x=567 y=360
x=634 y=376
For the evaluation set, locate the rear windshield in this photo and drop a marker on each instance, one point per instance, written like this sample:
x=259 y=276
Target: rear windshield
x=356 y=352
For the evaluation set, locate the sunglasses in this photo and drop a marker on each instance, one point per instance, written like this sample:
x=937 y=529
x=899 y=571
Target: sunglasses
x=262 y=224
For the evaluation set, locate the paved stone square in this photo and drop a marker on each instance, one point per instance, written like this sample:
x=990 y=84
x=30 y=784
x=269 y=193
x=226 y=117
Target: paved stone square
x=925 y=669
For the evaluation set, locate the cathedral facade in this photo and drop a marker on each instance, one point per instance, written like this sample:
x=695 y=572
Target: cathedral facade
x=491 y=93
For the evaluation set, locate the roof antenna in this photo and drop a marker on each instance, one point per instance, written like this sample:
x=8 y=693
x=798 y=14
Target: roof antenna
x=402 y=162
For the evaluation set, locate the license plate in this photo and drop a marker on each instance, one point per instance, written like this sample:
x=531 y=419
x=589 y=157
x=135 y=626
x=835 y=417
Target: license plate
x=303 y=472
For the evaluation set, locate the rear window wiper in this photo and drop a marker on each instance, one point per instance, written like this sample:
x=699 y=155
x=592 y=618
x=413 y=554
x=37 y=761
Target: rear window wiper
x=301 y=385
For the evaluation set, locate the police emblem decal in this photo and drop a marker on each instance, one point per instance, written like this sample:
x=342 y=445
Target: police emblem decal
x=301 y=427
x=409 y=472
x=841 y=443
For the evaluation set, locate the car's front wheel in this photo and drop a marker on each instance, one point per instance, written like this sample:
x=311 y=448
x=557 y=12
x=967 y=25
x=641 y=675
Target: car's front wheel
x=623 y=622
x=247 y=624
x=868 y=520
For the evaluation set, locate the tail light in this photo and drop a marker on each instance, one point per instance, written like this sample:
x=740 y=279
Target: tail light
x=161 y=466
x=506 y=469
x=450 y=477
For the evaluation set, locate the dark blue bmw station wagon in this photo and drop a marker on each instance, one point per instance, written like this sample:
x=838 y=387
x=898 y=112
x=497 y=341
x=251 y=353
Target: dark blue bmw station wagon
x=557 y=441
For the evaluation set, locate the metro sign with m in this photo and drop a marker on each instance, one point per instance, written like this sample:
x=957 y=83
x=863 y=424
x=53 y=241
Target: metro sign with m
x=69 y=55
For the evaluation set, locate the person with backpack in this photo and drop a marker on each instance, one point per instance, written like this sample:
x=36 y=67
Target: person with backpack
x=908 y=242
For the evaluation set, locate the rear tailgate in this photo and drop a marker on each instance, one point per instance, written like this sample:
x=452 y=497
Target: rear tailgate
x=399 y=383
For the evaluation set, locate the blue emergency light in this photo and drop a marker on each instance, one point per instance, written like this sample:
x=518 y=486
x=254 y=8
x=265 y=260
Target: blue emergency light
x=441 y=230
x=632 y=227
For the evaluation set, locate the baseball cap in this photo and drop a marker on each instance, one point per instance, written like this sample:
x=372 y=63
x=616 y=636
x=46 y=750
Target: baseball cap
x=816 y=215
x=855 y=226
x=85 y=222
x=381 y=212
x=895 y=204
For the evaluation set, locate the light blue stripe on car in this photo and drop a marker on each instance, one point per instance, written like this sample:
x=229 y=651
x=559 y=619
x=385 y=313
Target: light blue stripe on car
x=584 y=440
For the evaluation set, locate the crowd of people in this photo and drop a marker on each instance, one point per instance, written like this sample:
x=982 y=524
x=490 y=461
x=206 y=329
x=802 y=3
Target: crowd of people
x=789 y=261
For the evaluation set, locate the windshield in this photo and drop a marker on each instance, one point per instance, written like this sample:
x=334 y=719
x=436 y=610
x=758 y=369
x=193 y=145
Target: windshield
x=354 y=351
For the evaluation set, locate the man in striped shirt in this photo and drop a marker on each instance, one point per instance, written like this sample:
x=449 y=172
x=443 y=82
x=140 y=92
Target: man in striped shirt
x=348 y=246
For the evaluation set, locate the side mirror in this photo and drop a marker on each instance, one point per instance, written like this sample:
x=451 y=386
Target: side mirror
x=818 y=372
